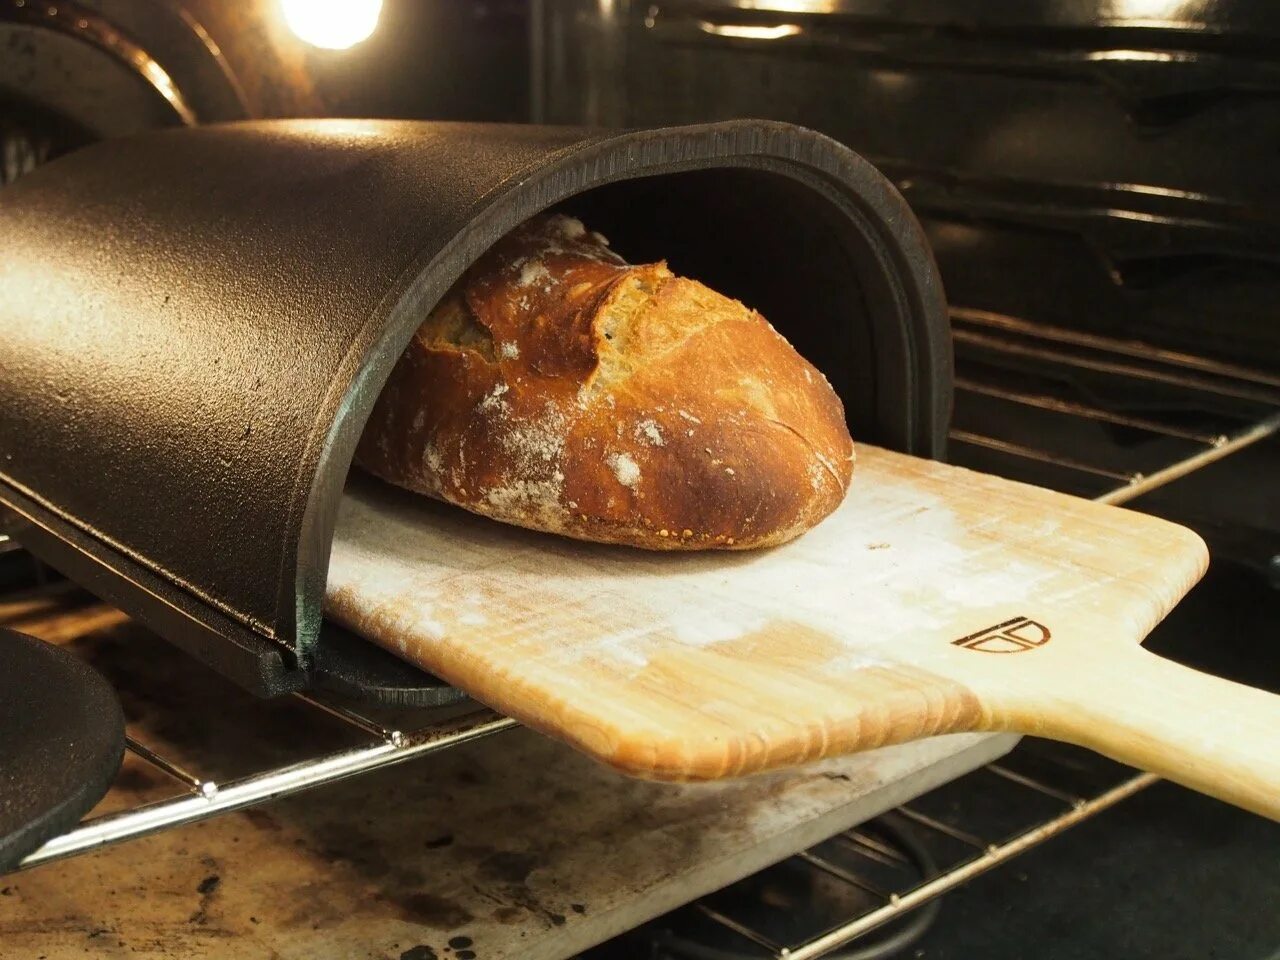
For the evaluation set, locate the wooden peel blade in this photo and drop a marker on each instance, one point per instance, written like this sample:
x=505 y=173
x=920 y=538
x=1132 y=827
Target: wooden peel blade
x=934 y=600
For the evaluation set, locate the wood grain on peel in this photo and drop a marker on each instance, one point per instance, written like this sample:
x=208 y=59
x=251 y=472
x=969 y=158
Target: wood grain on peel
x=755 y=725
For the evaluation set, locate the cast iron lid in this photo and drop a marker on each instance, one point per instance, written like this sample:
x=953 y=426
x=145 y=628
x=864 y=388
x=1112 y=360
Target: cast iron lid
x=198 y=322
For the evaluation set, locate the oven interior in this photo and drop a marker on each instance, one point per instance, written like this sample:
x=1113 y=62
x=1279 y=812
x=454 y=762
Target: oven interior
x=1114 y=335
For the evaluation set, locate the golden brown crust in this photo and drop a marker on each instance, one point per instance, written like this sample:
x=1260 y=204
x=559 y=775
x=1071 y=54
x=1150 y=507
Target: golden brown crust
x=558 y=388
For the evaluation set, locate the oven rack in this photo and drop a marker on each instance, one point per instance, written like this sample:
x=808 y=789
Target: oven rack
x=1250 y=399
x=204 y=798
x=1246 y=410
x=861 y=853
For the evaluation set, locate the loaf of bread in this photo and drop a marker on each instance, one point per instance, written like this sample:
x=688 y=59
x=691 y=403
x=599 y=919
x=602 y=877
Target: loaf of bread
x=558 y=388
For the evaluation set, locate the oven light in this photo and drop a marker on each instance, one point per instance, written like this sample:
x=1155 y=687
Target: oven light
x=740 y=31
x=1153 y=56
x=332 y=24
x=1159 y=10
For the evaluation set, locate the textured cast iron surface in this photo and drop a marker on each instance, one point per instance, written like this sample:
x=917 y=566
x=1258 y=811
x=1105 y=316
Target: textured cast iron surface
x=198 y=321
x=352 y=666
x=61 y=742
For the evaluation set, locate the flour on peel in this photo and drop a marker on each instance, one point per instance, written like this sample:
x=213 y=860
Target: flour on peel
x=881 y=558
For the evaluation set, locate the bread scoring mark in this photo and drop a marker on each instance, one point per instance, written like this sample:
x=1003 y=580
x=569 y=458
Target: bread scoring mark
x=831 y=468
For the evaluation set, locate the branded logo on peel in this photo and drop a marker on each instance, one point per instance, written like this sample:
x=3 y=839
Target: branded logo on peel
x=1012 y=636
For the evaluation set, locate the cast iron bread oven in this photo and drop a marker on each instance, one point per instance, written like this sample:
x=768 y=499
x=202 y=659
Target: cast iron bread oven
x=197 y=323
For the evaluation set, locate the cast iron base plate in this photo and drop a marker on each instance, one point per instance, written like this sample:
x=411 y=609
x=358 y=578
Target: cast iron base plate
x=352 y=666
x=61 y=742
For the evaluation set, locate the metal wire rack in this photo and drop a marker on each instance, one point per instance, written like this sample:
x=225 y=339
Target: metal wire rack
x=1183 y=412
x=1133 y=418
x=862 y=861
x=204 y=797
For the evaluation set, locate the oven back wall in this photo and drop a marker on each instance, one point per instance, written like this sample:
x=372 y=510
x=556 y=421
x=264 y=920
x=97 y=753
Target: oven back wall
x=1135 y=154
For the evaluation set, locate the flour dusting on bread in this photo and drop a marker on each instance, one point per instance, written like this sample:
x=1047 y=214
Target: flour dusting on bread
x=559 y=388
x=625 y=469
